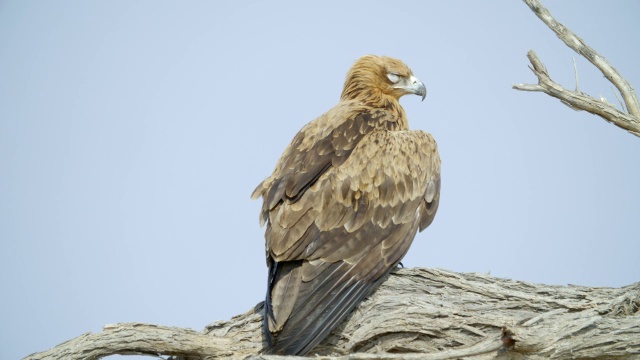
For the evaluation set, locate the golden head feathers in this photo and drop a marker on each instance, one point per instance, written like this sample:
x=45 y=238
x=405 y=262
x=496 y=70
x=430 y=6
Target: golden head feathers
x=373 y=78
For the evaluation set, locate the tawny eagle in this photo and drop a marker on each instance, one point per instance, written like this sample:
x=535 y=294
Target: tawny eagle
x=344 y=204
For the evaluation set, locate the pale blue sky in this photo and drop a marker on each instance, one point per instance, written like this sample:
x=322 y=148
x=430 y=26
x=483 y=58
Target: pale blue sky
x=133 y=132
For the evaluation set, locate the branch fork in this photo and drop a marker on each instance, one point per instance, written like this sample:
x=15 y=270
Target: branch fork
x=577 y=100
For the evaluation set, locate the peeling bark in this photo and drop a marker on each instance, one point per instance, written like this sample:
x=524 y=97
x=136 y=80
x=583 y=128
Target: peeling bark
x=416 y=314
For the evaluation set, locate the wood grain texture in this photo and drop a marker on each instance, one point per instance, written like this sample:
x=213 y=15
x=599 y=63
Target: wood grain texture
x=417 y=314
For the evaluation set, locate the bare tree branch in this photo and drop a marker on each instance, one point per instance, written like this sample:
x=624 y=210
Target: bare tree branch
x=577 y=100
x=139 y=339
x=416 y=314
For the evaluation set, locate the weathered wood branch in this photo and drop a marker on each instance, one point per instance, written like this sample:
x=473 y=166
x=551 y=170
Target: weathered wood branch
x=139 y=339
x=575 y=99
x=578 y=100
x=416 y=314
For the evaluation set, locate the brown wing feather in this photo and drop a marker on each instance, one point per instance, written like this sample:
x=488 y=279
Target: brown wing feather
x=346 y=230
x=325 y=142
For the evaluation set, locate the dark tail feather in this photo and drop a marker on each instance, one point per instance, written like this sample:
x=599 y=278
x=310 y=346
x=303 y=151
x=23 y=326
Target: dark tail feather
x=337 y=313
x=284 y=274
x=268 y=309
x=321 y=305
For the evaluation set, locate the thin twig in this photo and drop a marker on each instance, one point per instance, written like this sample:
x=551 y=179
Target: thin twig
x=575 y=71
x=622 y=105
x=576 y=100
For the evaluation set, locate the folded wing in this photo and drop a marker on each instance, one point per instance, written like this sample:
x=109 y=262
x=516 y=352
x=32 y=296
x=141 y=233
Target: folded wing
x=347 y=223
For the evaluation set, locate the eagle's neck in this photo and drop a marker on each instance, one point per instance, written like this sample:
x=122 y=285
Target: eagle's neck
x=364 y=90
x=363 y=87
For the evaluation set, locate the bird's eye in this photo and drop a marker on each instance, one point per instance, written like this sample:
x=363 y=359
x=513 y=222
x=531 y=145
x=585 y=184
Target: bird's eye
x=393 y=77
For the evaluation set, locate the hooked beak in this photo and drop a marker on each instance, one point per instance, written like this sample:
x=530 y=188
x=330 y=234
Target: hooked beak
x=417 y=87
x=413 y=85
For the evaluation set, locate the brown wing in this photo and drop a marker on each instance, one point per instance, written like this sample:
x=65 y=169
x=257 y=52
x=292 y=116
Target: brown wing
x=323 y=143
x=329 y=246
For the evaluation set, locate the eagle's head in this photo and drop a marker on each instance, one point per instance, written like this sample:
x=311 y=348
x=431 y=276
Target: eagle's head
x=373 y=77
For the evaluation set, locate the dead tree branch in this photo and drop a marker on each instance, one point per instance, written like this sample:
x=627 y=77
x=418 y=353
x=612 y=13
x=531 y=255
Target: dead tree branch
x=416 y=314
x=139 y=339
x=575 y=99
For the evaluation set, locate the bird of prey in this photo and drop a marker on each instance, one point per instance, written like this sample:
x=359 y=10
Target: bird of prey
x=344 y=203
